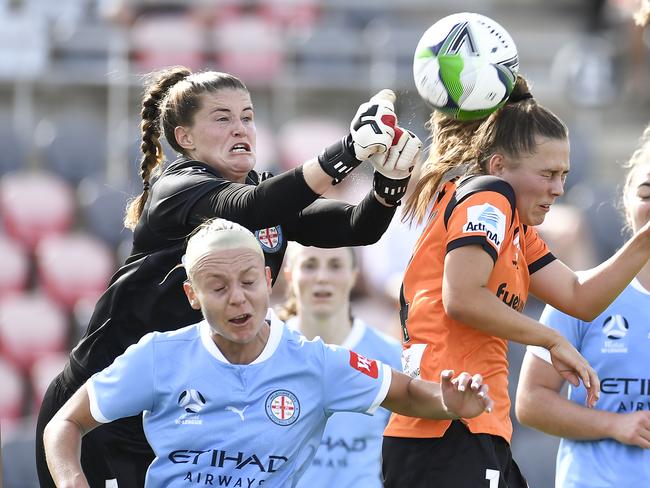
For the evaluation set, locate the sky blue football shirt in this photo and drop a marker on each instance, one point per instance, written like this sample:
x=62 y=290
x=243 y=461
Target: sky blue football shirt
x=212 y=423
x=617 y=345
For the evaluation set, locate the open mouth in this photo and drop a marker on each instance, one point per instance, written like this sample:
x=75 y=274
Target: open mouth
x=322 y=294
x=240 y=147
x=240 y=319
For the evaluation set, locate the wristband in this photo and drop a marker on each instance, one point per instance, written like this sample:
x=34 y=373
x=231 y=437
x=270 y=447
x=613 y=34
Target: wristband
x=390 y=190
x=338 y=159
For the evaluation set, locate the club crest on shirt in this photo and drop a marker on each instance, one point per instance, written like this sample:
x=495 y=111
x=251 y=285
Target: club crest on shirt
x=270 y=238
x=488 y=220
x=282 y=407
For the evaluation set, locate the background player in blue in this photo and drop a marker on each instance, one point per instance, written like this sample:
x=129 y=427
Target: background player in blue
x=209 y=120
x=608 y=446
x=319 y=284
x=235 y=400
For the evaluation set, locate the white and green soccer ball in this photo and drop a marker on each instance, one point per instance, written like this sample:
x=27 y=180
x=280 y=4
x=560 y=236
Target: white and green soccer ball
x=465 y=66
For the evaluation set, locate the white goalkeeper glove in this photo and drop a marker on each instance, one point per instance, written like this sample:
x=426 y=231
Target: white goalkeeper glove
x=393 y=169
x=373 y=126
x=371 y=132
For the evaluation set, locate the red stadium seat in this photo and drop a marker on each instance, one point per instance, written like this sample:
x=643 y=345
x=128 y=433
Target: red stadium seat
x=160 y=40
x=73 y=267
x=13 y=394
x=31 y=325
x=43 y=372
x=304 y=138
x=14 y=266
x=248 y=46
x=294 y=14
x=35 y=204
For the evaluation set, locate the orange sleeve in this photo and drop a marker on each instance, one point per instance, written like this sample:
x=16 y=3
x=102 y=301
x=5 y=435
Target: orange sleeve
x=536 y=251
x=483 y=218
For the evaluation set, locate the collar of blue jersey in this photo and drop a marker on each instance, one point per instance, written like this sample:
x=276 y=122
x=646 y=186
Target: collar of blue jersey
x=275 y=335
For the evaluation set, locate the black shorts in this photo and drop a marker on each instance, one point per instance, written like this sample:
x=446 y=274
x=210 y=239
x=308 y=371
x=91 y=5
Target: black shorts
x=116 y=451
x=459 y=459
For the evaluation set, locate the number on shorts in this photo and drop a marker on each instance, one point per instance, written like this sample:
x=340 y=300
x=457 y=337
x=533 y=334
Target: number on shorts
x=493 y=476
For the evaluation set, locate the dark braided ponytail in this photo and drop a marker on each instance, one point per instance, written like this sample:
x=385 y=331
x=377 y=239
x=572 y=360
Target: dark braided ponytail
x=171 y=100
x=150 y=127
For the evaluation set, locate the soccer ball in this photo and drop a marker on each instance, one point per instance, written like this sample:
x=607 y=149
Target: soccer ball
x=191 y=401
x=465 y=66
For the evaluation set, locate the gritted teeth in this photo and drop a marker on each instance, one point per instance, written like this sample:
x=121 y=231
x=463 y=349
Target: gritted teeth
x=240 y=147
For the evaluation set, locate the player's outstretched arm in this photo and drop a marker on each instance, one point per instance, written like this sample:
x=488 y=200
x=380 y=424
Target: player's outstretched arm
x=541 y=405
x=462 y=397
x=587 y=294
x=62 y=440
x=371 y=131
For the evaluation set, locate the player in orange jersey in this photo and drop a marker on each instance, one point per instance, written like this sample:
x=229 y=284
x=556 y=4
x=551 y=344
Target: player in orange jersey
x=484 y=187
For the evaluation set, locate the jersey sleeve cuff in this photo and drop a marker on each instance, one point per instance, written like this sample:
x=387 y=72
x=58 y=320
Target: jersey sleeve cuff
x=95 y=411
x=540 y=352
x=472 y=241
x=387 y=376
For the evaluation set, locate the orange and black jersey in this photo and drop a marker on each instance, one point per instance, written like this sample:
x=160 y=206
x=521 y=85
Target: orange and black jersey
x=146 y=294
x=480 y=211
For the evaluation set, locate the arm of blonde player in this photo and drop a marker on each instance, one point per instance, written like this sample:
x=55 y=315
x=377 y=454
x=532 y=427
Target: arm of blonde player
x=462 y=397
x=541 y=405
x=62 y=440
x=466 y=274
x=587 y=294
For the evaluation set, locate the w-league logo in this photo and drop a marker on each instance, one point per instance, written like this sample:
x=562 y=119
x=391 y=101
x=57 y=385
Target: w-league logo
x=191 y=401
x=615 y=327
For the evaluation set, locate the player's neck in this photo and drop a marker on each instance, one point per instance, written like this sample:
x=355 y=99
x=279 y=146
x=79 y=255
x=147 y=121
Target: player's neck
x=333 y=329
x=237 y=353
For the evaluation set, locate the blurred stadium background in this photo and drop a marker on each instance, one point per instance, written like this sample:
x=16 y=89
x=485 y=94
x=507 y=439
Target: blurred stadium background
x=70 y=85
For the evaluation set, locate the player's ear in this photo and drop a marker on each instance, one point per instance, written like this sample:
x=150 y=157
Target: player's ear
x=191 y=295
x=184 y=138
x=496 y=165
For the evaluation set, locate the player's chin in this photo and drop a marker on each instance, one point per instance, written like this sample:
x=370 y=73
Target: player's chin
x=535 y=218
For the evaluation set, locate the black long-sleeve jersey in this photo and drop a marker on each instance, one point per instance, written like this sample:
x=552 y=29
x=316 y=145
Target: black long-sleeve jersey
x=146 y=293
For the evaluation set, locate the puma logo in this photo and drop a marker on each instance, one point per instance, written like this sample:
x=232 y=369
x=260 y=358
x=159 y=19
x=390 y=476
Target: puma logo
x=230 y=408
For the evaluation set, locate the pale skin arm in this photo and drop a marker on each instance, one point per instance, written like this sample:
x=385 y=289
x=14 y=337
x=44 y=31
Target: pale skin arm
x=540 y=405
x=588 y=295
x=462 y=397
x=466 y=274
x=62 y=440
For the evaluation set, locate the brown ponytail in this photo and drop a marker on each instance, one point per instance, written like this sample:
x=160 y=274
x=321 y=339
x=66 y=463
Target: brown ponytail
x=455 y=145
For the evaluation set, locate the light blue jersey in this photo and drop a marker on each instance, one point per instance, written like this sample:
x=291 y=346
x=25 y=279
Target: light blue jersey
x=350 y=452
x=213 y=423
x=617 y=345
